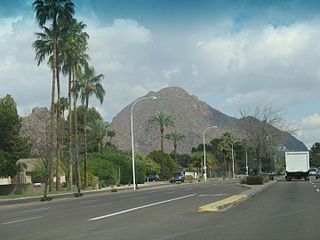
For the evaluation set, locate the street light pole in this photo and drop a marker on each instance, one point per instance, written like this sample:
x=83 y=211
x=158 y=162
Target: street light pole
x=132 y=139
x=233 y=156
x=204 y=151
x=247 y=172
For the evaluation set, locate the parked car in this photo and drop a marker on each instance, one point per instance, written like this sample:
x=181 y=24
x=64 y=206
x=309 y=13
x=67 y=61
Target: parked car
x=177 y=177
x=318 y=174
x=313 y=171
x=152 y=178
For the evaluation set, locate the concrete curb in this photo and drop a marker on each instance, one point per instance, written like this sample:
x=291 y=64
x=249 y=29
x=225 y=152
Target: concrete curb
x=232 y=200
x=222 y=204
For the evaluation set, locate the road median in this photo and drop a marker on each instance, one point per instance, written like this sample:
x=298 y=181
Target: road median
x=222 y=204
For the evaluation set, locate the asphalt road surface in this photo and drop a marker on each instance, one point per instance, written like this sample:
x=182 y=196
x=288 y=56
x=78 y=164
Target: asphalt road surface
x=285 y=210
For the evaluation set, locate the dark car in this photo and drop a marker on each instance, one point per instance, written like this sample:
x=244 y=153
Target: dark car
x=152 y=178
x=313 y=171
x=177 y=177
x=318 y=173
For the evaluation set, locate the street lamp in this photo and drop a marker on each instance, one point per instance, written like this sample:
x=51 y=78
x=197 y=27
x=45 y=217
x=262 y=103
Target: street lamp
x=233 y=156
x=204 y=151
x=132 y=139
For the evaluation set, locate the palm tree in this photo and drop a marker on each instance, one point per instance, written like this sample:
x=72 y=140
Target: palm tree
x=43 y=48
x=224 y=146
x=163 y=120
x=74 y=44
x=54 y=11
x=64 y=104
x=89 y=83
x=111 y=133
x=175 y=137
x=98 y=130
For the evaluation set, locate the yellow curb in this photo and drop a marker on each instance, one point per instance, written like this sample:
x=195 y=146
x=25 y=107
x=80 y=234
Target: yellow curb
x=222 y=204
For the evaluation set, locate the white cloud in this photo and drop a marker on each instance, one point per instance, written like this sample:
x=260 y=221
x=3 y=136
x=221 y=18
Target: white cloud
x=309 y=129
x=312 y=121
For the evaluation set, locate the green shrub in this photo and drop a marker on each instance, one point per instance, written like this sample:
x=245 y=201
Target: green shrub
x=255 y=180
x=166 y=163
x=243 y=180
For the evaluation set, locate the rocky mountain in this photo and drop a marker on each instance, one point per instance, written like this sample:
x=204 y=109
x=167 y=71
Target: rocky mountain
x=192 y=117
x=35 y=127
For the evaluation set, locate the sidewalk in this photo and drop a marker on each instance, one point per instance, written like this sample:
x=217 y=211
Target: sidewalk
x=85 y=192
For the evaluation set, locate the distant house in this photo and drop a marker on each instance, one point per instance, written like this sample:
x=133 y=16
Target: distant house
x=28 y=166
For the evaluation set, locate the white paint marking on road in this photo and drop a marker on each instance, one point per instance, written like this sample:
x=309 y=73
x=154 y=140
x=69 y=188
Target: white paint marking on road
x=34 y=210
x=141 y=207
x=141 y=197
x=22 y=220
x=100 y=205
x=318 y=190
x=315 y=186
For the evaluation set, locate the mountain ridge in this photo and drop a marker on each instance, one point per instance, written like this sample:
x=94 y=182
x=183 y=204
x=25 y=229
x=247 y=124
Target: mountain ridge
x=192 y=117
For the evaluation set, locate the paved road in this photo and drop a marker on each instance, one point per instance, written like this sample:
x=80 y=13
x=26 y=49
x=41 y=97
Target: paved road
x=285 y=210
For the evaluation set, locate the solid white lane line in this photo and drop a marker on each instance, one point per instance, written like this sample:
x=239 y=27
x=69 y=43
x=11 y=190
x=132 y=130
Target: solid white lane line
x=141 y=207
x=22 y=220
x=34 y=210
x=212 y=195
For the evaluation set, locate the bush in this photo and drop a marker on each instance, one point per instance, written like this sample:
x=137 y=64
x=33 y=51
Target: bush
x=166 y=163
x=255 y=180
x=189 y=178
x=243 y=180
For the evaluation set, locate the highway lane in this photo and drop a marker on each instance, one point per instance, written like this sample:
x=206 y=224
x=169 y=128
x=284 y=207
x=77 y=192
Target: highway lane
x=70 y=217
x=285 y=210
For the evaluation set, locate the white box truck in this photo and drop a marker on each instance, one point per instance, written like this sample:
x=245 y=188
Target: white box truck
x=297 y=165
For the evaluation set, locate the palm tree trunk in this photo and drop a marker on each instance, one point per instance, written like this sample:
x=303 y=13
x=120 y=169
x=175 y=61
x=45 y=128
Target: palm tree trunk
x=161 y=138
x=175 y=151
x=52 y=125
x=76 y=155
x=85 y=144
x=70 y=182
x=58 y=125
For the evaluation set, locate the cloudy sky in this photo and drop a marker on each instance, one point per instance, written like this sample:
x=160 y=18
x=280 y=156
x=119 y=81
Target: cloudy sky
x=231 y=54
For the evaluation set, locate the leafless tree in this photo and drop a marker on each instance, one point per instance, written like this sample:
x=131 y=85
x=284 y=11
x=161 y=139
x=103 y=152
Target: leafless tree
x=261 y=127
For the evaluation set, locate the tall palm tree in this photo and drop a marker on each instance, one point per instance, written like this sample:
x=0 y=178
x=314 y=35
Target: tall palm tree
x=225 y=146
x=53 y=11
x=73 y=56
x=175 y=137
x=43 y=48
x=163 y=120
x=90 y=84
